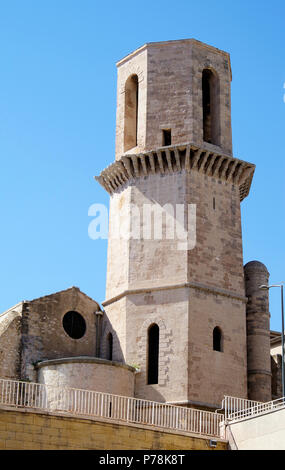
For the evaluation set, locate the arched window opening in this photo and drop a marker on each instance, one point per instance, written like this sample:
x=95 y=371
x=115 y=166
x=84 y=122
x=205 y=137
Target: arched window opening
x=153 y=354
x=217 y=339
x=110 y=347
x=211 y=112
x=131 y=112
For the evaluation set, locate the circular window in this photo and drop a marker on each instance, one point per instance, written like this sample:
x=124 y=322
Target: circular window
x=74 y=324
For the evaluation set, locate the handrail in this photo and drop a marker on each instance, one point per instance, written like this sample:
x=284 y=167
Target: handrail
x=238 y=408
x=108 y=406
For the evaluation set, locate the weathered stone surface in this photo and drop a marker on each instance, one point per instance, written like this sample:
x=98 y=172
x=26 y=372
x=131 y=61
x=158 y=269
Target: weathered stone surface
x=40 y=333
x=23 y=430
x=258 y=332
x=170 y=93
x=95 y=374
x=186 y=292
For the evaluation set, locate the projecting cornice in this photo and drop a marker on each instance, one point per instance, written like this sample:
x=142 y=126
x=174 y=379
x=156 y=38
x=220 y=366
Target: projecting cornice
x=173 y=159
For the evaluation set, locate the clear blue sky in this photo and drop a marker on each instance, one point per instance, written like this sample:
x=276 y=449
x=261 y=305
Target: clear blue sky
x=57 y=127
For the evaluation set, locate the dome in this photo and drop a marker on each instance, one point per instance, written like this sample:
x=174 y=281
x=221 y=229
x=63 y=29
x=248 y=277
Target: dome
x=255 y=266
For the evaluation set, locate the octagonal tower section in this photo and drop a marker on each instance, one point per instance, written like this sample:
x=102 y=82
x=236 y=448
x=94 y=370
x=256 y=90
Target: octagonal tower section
x=175 y=297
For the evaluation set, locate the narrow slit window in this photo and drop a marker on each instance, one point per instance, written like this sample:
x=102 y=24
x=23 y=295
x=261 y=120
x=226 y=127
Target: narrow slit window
x=217 y=339
x=110 y=347
x=211 y=113
x=166 y=137
x=206 y=105
x=131 y=112
x=153 y=354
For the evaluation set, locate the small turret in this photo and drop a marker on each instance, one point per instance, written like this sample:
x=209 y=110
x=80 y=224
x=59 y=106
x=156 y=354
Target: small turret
x=258 y=332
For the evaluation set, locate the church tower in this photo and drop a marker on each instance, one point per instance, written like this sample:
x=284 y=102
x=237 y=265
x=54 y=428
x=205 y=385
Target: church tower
x=175 y=295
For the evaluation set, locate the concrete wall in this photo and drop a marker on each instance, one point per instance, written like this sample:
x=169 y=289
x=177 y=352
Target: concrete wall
x=24 y=429
x=265 y=432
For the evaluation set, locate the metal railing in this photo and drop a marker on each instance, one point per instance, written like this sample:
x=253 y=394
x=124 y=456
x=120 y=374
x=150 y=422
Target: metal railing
x=104 y=405
x=233 y=405
x=237 y=408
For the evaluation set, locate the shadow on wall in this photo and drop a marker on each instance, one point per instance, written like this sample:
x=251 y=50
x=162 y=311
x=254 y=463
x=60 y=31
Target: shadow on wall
x=110 y=346
x=147 y=377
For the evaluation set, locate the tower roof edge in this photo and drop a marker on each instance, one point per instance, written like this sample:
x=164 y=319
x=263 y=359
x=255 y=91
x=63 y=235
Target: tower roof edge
x=170 y=42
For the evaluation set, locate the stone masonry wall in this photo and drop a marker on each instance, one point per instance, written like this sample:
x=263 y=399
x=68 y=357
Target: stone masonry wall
x=89 y=374
x=152 y=277
x=137 y=67
x=43 y=335
x=10 y=342
x=170 y=93
x=26 y=430
x=213 y=374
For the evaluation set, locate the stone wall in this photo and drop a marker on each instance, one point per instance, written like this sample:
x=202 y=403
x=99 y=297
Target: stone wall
x=258 y=332
x=10 y=342
x=88 y=374
x=43 y=335
x=137 y=67
x=25 y=430
x=188 y=293
x=170 y=93
x=34 y=331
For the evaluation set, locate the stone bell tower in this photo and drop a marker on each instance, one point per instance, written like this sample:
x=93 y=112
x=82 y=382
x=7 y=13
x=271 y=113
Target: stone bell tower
x=177 y=309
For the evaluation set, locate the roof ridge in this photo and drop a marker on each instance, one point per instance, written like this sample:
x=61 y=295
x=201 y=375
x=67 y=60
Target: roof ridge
x=60 y=292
